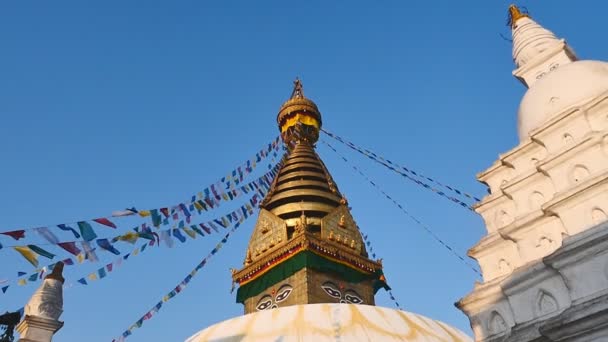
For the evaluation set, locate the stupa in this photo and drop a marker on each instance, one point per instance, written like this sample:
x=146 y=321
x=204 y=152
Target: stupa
x=306 y=274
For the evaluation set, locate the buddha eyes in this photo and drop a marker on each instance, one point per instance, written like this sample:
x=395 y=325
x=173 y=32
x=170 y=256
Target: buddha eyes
x=353 y=298
x=331 y=291
x=264 y=303
x=283 y=293
x=267 y=301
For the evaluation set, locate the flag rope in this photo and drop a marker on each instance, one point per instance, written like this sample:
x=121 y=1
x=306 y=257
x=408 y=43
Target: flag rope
x=213 y=194
x=180 y=287
x=406 y=212
x=408 y=173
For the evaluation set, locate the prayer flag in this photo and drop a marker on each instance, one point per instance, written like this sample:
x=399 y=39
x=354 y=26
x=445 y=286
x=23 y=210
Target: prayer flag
x=105 y=222
x=177 y=233
x=105 y=244
x=86 y=230
x=15 y=234
x=47 y=235
x=28 y=254
x=70 y=229
x=41 y=251
x=70 y=247
x=89 y=252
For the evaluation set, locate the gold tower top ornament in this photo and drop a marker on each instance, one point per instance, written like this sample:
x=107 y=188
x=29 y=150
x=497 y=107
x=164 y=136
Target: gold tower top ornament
x=515 y=14
x=299 y=117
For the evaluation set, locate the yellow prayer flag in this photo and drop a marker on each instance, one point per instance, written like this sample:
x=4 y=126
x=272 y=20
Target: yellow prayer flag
x=165 y=298
x=22 y=282
x=190 y=232
x=130 y=237
x=144 y=213
x=80 y=258
x=28 y=254
x=135 y=252
x=92 y=276
x=198 y=206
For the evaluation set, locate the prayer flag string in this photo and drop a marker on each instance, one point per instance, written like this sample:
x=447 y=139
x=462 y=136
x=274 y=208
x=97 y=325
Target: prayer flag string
x=226 y=189
x=155 y=237
x=371 y=250
x=244 y=212
x=407 y=213
x=30 y=252
x=182 y=285
x=408 y=173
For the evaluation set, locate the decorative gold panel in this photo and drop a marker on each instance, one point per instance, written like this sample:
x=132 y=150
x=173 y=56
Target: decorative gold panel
x=270 y=231
x=339 y=227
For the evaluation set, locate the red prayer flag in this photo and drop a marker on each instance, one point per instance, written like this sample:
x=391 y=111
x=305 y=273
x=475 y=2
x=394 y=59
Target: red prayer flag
x=15 y=234
x=105 y=222
x=165 y=211
x=70 y=247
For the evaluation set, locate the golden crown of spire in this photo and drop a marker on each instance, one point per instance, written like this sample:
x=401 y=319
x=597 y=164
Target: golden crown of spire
x=515 y=14
x=299 y=113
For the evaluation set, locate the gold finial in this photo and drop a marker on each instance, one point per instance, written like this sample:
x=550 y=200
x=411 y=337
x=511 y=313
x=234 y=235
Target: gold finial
x=515 y=14
x=57 y=273
x=298 y=89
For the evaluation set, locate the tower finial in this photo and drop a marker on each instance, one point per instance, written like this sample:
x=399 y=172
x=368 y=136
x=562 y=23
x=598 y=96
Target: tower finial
x=515 y=14
x=298 y=89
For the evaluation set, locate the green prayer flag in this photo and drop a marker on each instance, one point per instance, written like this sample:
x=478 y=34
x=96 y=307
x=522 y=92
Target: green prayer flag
x=41 y=251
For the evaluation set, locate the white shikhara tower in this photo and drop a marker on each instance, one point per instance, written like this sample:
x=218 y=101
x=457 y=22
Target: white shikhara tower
x=545 y=257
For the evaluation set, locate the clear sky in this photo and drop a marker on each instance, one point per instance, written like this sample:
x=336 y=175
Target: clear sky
x=112 y=104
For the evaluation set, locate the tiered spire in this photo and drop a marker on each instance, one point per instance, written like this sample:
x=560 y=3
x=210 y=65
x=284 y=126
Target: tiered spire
x=536 y=50
x=306 y=246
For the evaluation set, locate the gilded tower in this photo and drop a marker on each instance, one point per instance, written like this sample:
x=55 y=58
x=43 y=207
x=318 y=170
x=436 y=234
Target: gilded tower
x=306 y=247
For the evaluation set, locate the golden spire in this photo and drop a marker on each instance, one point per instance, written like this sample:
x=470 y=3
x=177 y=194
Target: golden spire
x=298 y=89
x=515 y=14
x=299 y=114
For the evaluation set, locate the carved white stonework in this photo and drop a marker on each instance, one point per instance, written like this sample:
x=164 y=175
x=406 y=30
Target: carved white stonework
x=544 y=259
x=47 y=301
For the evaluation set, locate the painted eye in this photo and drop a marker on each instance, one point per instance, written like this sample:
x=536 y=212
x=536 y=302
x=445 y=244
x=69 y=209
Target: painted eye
x=332 y=292
x=264 y=303
x=284 y=292
x=353 y=299
x=274 y=306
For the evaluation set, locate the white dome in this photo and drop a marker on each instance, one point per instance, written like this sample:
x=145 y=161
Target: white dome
x=562 y=88
x=330 y=322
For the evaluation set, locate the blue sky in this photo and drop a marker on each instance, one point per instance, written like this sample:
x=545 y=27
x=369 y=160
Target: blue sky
x=112 y=104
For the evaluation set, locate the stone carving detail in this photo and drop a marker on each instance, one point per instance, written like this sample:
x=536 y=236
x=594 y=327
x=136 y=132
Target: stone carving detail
x=568 y=140
x=579 y=173
x=598 y=216
x=47 y=301
x=605 y=143
x=545 y=304
x=536 y=200
x=544 y=242
x=496 y=324
x=503 y=218
x=504 y=266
